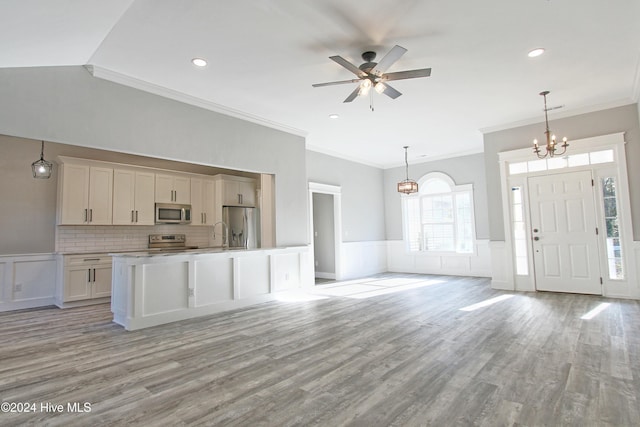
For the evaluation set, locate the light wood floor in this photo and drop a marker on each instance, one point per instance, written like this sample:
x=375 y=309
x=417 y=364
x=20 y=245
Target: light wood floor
x=361 y=354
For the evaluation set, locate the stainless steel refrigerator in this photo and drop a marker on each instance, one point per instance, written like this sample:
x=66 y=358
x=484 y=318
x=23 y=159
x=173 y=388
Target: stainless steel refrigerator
x=242 y=224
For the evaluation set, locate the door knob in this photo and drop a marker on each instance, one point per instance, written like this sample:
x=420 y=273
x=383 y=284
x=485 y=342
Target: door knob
x=535 y=230
x=536 y=238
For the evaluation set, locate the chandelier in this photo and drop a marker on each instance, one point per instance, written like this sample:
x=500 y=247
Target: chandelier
x=550 y=149
x=408 y=186
x=41 y=168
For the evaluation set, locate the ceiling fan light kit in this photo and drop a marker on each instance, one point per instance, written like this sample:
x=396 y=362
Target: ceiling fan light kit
x=373 y=74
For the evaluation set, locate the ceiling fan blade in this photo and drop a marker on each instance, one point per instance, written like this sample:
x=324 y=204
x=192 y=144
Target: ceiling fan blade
x=391 y=92
x=410 y=74
x=353 y=95
x=341 y=82
x=388 y=60
x=348 y=65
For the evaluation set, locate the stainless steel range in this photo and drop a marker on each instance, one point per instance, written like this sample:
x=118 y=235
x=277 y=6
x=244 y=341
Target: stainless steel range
x=169 y=242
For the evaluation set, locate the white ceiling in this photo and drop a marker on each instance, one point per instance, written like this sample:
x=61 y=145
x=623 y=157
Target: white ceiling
x=264 y=55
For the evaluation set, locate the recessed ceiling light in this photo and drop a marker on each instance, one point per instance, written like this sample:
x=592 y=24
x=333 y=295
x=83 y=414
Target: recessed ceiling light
x=536 y=52
x=199 y=62
x=333 y=116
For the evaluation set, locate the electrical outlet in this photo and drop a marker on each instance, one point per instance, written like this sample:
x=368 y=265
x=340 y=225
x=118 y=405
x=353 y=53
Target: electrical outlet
x=17 y=287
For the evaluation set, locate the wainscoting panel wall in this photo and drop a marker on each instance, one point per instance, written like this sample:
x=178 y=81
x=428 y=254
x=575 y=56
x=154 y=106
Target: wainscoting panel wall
x=401 y=261
x=359 y=259
x=635 y=292
x=501 y=269
x=27 y=281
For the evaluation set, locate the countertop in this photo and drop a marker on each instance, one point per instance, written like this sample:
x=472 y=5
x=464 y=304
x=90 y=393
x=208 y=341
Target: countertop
x=198 y=251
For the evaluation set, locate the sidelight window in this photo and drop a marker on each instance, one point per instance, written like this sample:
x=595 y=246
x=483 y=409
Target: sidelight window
x=612 y=223
x=519 y=231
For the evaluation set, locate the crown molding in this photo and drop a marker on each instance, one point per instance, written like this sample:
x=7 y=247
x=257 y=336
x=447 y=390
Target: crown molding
x=429 y=159
x=332 y=153
x=415 y=161
x=636 y=81
x=123 y=79
x=559 y=115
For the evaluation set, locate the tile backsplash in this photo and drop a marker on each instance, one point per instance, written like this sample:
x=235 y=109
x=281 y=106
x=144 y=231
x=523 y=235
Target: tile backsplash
x=111 y=238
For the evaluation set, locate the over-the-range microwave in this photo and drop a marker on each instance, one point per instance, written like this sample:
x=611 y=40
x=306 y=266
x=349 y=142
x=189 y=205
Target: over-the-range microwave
x=172 y=213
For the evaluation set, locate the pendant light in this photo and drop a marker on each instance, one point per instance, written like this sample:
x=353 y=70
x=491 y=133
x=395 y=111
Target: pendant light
x=550 y=149
x=41 y=168
x=408 y=186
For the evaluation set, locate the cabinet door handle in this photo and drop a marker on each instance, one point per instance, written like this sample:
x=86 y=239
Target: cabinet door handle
x=90 y=215
x=89 y=275
x=91 y=259
x=94 y=275
x=205 y=217
x=86 y=215
x=136 y=216
x=132 y=217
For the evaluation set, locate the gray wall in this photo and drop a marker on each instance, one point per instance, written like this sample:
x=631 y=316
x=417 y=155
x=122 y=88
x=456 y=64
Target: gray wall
x=324 y=237
x=621 y=119
x=68 y=105
x=28 y=209
x=33 y=229
x=362 y=199
x=463 y=170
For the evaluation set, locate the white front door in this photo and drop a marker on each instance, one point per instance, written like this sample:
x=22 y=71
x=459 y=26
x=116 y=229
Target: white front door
x=563 y=228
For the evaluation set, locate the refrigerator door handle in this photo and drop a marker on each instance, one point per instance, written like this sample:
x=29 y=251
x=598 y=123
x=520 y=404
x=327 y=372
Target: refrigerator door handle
x=245 y=224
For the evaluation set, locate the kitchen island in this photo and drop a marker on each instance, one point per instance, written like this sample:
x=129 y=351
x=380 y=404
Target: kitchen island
x=151 y=288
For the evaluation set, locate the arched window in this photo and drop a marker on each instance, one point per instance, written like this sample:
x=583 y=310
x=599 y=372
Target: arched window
x=439 y=218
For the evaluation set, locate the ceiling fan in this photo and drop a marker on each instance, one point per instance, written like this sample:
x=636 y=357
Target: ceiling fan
x=372 y=74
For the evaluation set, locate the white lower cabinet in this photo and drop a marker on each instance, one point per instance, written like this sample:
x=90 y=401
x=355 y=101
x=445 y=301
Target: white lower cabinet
x=85 y=277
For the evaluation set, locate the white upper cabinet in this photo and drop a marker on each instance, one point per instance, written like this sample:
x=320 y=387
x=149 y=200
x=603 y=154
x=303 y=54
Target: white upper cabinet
x=173 y=189
x=133 y=197
x=238 y=191
x=208 y=201
x=92 y=192
x=85 y=194
x=202 y=201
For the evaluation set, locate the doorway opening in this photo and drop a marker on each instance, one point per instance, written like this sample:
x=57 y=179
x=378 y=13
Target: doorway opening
x=325 y=231
x=323 y=236
x=567 y=221
x=565 y=233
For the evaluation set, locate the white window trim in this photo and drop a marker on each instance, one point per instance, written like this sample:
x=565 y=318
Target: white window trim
x=455 y=188
x=618 y=168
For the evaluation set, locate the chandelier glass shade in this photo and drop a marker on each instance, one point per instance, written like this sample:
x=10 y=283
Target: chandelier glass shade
x=407 y=186
x=551 y=147
x=41 y=168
